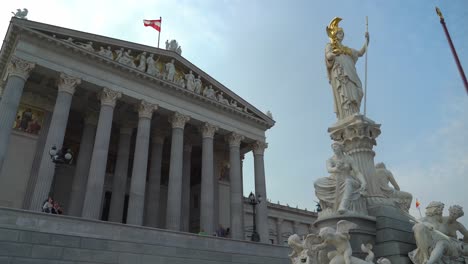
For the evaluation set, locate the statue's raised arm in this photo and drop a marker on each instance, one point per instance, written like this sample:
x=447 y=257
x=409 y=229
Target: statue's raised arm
x=340 y=61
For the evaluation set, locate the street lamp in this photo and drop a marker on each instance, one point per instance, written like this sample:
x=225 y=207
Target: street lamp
x=254 y=201
x=61 y=156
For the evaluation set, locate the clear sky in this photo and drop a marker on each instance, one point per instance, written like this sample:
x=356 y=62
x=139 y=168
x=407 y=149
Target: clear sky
x=271 y=53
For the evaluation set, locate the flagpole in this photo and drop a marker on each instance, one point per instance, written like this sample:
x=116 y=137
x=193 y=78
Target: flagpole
x=419 y=209
x=365 y=75
x=454 y=52
x=159 y=31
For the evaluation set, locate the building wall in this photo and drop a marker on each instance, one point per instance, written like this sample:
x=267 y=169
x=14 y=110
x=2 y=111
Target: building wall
x=17 y=168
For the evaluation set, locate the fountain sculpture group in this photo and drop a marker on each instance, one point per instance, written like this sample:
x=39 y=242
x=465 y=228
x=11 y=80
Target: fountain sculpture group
x=356 y=196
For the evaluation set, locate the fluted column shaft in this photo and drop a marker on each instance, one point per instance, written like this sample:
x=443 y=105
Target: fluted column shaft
x=82 y=166
x=260 y=190
x=279 y=231
x=136 y=204
x=154 y=181
x=236 y=195
x=187 y=167
x=207 y=182
x=97 y=171
x=18 y=73
x=55 y=137
x=119 y=181
x=174 y=195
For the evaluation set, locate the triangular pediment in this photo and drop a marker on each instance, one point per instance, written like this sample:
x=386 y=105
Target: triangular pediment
x=155 y=64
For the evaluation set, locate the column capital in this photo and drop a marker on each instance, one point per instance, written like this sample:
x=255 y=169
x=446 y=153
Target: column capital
x=145 y=109
x=208 y=130
x=109 y=97
x=234 y=139
x=259 y=147
x=19 y=67
x=178 y=120
x=67 y=83
x=91 y=118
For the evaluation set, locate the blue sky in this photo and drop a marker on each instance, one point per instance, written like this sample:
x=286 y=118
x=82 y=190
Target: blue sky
x=271 y=54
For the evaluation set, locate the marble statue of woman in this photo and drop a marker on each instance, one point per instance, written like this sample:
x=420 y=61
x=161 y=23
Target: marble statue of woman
x=342 y=191
x=170 y=70
x=341 y=68
x=209 y=92
x=190 y=81
x=198 y=85
x=142 y=63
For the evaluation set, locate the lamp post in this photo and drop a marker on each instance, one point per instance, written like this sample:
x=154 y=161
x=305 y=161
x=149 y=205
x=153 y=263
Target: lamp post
x=61 y=156
x=254 y=201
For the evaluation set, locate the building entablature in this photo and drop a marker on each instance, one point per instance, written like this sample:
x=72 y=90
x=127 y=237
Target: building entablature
x=29 y=40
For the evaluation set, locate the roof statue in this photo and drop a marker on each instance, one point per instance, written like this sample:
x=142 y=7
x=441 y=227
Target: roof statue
x=21 y=13
x=174 y=46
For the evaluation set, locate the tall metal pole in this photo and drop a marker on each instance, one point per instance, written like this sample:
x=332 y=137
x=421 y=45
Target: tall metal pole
x=457 y=61
x=159 y=31
x=365 y=74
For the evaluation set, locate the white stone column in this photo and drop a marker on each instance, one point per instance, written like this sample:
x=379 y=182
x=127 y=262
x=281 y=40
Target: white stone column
x=207 y=182
x=186 y=173
x=83 y=161
x=55 y=137
x=136 y=203
x=154 y=181
x=237 y=213
x=279 y=231
x=296 y=227
x=119 y=181
x=17 y=72
x=260 y=190
x=97 y=171
x=174 y=194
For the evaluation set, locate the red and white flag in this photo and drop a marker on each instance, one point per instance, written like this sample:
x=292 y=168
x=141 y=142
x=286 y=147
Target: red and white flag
x=156 y=24
x=417 y=203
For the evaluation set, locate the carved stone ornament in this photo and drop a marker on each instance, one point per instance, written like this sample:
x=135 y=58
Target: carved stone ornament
x=91 y=118
x=259 y=147
x=109 y=97
x=145 y=109
x=208 y=130
x=21 y=68
x=178 y=120
x=67 y=83
x=234 y=139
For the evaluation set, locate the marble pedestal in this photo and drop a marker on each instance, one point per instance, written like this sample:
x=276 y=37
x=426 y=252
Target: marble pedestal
x=394 y=235
x=363 y=234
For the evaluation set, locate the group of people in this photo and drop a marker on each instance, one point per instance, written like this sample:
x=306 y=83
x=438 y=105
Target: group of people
x=51 y=207
x=220 y=232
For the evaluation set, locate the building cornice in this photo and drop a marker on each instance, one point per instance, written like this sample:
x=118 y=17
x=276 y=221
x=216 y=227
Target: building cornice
x=33 y=28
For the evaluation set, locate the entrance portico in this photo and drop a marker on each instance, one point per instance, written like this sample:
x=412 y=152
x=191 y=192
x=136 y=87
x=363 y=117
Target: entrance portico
x=134 y=149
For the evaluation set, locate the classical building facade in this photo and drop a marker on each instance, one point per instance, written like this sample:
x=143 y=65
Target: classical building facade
x=156 y=141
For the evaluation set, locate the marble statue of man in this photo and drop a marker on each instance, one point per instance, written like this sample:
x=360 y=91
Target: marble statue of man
x=152 y=69
x=436 y=237
x=340 y=61
x=142 y=64
x=209 y=92
x=384 y=177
